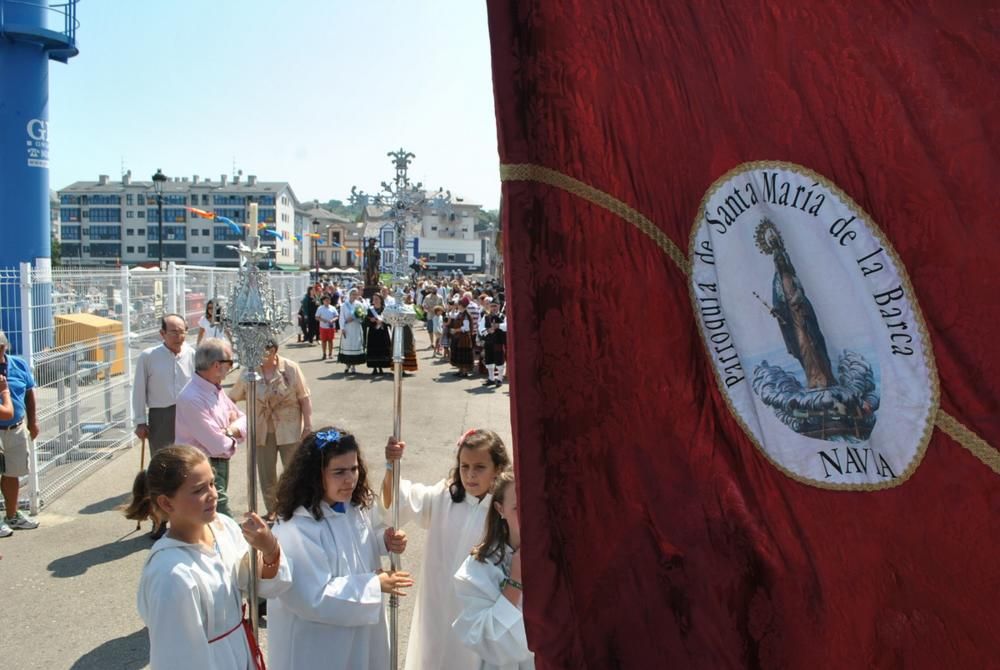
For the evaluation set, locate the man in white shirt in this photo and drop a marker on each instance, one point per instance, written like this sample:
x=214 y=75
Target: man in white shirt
x=161 y=373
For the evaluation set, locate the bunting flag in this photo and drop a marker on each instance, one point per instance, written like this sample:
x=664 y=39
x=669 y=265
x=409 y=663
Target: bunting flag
x=214 y=217
x=201 y=213
x=270 y=232
x=751 y=260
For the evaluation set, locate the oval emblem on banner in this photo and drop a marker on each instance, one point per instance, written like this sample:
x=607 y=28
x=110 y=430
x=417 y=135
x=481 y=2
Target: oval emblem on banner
x=813 y=329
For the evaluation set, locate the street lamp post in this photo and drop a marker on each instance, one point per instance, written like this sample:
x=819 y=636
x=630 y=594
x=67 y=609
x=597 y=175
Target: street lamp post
x=158 y=179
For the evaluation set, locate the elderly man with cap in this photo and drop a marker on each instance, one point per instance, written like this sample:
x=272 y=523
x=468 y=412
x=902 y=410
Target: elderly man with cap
x=15 y=433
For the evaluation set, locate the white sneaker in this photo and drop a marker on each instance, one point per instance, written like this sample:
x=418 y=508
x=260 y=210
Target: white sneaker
x=5 y=530
x=21 y=522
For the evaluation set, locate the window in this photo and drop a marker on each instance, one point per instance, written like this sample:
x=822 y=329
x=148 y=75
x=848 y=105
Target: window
x=130 y=250
x=130 y=231
x=223 y=251
x=140 y=232
x=194 y=250
x=206 y=250
x=129 y=214
x=105 y=250
x=204 y=198
x=105 y=233
x=105 y=214
x=229 y=200
x=265 y=215
x=130 y=199
x=451 y=258
x=170 y=214
x=174 y=200
x=141 y=250
x=237 y=215
x=336 y=258
x=335 y=237
x=194 y=232
x=321 y=257
x=71 y=232
x=69 y=214
x=170 y=233
x=71 y=250
x=265 y=199
x=169 y=251
x=69 y=199
x=99 y=199
x=225 y=233
x=204 y=232
x=140 y=200
x=141 y=214
x=434 y=227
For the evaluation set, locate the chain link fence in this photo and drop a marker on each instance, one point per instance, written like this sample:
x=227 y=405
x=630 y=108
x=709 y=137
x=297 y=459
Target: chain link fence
x=81 y=331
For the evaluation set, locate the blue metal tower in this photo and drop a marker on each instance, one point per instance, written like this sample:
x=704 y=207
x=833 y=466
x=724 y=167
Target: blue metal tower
x=32 y=32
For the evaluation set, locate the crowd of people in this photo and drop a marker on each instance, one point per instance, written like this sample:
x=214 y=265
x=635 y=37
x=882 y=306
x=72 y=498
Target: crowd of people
x=324 y=534
x=465 y=323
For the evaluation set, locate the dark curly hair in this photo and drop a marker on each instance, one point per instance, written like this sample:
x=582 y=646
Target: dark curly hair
x=476 y=439
x=301 y=484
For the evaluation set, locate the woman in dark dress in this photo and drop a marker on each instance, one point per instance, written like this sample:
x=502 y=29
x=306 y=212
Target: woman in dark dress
x=378 y=351
x=460 y=328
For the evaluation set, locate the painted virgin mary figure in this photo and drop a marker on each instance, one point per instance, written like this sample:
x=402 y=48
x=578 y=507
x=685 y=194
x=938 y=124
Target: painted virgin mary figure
x=794 y=313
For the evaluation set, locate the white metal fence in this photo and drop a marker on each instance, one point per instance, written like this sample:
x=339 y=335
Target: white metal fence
x=81 y=331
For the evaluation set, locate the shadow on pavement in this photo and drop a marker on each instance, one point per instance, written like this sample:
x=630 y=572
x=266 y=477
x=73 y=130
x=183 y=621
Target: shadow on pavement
x=483 y=390
x=123 y=653
x=449 y=377
x=77 y=564
x=106 y=505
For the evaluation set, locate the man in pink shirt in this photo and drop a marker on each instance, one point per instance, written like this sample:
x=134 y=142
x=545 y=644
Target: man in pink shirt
x=207 y=418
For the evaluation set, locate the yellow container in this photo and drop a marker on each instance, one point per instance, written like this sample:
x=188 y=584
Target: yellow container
x=92 y=332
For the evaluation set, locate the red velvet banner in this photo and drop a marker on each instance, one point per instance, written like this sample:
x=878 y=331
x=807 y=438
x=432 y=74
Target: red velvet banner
x=835 y=502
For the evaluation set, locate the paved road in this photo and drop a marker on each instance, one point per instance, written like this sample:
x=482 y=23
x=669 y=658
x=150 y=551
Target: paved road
x=68 y=588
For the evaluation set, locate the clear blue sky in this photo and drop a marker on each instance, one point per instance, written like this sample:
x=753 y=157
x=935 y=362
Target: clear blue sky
x=313 y=92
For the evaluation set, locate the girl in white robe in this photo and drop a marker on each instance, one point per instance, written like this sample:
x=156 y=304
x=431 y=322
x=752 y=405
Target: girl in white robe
x=352 y=341
x=488 y=585
x=332 y=616
x=190 y=592
x=453 y=512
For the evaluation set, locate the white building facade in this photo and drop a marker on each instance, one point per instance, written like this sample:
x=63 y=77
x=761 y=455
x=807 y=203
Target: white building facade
x=107 y=222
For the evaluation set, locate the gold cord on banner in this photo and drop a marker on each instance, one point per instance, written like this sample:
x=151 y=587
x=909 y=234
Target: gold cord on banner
x=946 y=423
x=543 y=175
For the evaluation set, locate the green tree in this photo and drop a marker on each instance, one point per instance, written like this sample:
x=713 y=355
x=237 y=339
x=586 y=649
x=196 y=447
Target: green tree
x=56 y=252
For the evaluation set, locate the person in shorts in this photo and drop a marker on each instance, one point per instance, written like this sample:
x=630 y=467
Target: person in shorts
x=15 y=434
x=327 y=316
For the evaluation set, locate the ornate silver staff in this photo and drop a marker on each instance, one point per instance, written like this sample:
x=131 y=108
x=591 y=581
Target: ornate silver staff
x=399 y=316
x=405 y=202
x=253 y=318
